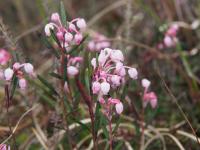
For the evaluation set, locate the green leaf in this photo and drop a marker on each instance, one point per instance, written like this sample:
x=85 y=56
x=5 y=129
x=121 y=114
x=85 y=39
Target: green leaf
x=98 y=117
x=49 y=46
x=117 y=125
x=48 y=85
x=119 y=145
x=53 y=74
x=63 y=14
x=14 y=85
x=83 y=126
x=87 y=80
x=65 y=69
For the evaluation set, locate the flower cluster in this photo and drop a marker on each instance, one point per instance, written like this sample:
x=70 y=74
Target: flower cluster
x=17 y=69
x=67 y=36
x=170 y=38
x=110 y=73
x=148 y=97
x=98 y=42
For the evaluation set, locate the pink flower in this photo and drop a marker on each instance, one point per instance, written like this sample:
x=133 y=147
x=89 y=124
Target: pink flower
x=4 y=147
x=133 y=73
x=8 y=74
x=152 y=98
x=119 y=107
x=81 y=24
x=4 y=56
x=168 y=41
x=28 y=68
x=105 y=88
x=98 y=42
x=72 y=71
x=146 y=83
x=117 y=55
x=78 y=38
x=55 y=17
x=22 y=83
x=96 y=86
x=68 y=37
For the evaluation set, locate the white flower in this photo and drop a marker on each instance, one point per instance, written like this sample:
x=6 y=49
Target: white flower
x=115 y=80
x=133 y=73
x=145 y=83
x=117 y=55
x=48 y=29
x=105 y=88
x=81 y=24
x=94 y=63
x=96 y=86
x=8 y=73
x=68 y=37
x=72 y=71
x=119 y=108
x=28 y=68
x=22 y=83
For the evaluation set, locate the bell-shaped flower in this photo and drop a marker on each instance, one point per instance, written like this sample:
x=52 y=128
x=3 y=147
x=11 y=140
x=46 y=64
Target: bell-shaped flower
x=117 y=55
x=81 y=24
x=133 y=73
x=48 y=28
x=119 y=107
x=96 y=86
x=72 y=71
x=146 y=83
x=105 y=87
x=8 y=74
x=22 y=83
x=28 y=68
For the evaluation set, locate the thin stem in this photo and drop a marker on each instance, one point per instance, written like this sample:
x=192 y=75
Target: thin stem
x=110 y=134
x=88 y=101
x=62 y=100
x=142 y=128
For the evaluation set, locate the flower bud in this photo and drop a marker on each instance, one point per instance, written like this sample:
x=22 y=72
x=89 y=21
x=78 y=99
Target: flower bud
x=154 y=102
x=146 y=83
x=16 y=65
x=59 y=35
x=96 y=86
x=72 y=27
x=8 y=73
x=72 y=71
x=168 y=41
x=115 y=80
x=55 y=17
x=22 y=83
x=133 y=73
x=78 y=38
x=28 y=68
x=119 y=108
x=81 y=24
x=105 y=88
x=68 y=37
x=48 y=29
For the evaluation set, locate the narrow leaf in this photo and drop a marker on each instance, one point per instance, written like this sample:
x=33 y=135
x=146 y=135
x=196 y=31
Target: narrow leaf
x=63 y=14
x=48 y=85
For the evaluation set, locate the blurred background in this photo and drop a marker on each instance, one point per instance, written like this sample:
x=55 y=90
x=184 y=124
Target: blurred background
x=134 y=26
